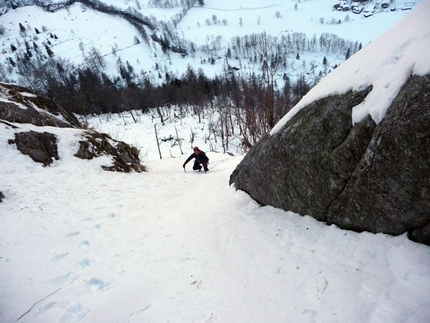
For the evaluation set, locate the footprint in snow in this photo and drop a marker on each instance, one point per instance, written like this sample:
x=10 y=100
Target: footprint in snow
x=59 y=257
x=140 y=310
x=75 y=314
x=96 y=284
x=85 y=244
x=72 y=234
x=84 y=263
x=48 y=306
x=59 y=280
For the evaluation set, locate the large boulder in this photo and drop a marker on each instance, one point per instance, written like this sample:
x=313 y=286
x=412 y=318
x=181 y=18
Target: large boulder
x=392 y=180
x=40 y=146
x=366 y=177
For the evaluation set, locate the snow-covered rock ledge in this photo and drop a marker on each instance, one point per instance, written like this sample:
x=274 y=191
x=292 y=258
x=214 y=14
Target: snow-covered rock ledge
x=385 y=64
x=34 y=119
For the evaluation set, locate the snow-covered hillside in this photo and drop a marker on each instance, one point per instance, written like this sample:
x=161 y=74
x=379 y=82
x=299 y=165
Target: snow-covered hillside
x=395 y=56
x=30 y=35
x=78 y=244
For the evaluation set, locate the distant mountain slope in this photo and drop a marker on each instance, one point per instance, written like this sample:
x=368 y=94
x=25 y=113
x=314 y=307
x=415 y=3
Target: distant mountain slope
x=164 y=37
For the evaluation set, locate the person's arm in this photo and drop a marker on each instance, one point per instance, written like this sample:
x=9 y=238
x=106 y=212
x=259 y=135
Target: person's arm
x=188 y=159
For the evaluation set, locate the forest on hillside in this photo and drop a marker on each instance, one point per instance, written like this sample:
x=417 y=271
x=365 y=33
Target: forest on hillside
x=256 y=100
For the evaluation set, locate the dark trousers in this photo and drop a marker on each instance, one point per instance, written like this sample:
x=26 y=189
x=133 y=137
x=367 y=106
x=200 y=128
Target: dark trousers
x=197 y=165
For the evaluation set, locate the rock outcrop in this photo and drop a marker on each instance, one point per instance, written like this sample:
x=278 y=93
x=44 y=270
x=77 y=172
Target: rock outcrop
x=367 y=177
x=125 y=157
x=40 y=146
x=19 y=105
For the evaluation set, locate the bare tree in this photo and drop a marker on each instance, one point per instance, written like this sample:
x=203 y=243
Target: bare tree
x=158 y=142
x=271 y=60
x=179 y=141
x=192 y=136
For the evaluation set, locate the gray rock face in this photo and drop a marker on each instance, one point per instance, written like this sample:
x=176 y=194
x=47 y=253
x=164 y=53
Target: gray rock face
x=24 y=107
x=365 y=177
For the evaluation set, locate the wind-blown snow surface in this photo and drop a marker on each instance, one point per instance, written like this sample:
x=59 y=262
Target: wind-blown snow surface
x=78 y=244
x=385 y=64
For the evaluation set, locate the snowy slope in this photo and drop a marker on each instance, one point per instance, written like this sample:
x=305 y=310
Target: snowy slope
x=78 y=244
x=79 y=29
x=385 y=64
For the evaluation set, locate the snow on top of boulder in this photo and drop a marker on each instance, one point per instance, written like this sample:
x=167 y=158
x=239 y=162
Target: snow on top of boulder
x=386 y=64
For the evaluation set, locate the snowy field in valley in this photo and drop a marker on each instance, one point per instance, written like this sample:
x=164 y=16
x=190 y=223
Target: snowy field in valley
x=214 y=26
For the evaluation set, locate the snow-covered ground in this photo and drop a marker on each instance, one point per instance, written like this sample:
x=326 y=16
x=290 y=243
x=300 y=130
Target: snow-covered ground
x=78 y=244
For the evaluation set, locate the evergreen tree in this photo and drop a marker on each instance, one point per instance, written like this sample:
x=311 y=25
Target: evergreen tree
x=49 y=51
x=22 y=28
x=11 y=61
x=348 y=54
